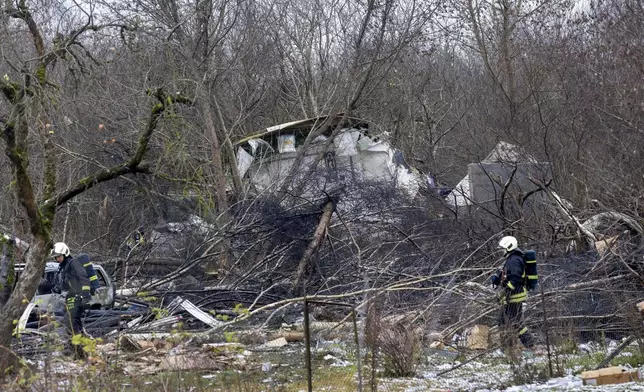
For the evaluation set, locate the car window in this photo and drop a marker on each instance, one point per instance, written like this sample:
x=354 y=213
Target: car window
x=50 y=277
x=101 y=278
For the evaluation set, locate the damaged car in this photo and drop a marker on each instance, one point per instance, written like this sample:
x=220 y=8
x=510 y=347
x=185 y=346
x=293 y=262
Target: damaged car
x=46 y=300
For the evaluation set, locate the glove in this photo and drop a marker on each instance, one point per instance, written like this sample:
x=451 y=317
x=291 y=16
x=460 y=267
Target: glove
x=56 y=289
x=85 y=301
x=496 y=279
x=92 y=291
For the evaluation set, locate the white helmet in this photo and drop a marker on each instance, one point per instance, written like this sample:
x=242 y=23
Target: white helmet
x=60 y=249
x=508 y=243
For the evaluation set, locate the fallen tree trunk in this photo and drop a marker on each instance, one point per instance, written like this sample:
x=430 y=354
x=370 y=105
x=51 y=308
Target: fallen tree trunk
x=320 y=231
x=584 y=235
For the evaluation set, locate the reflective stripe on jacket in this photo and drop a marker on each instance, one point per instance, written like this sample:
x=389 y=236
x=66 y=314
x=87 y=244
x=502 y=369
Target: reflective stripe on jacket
x=89 y=269
x=514 y=278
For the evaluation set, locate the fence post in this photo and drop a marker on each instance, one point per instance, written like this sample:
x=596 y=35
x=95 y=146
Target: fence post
x=358 y=351
x=307 y=339
x=546 y=328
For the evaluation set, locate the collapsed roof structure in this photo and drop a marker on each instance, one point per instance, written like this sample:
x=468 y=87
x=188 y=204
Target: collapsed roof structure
x=356 y=152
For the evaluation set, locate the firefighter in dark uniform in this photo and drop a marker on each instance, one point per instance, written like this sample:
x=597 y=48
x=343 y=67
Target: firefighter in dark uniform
x=512 y=282
x=75 y=282
x=86 y=263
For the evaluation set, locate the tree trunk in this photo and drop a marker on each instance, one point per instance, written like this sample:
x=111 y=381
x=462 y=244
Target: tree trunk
x=6 y=269
x=230 y=152
x=221 y=185
x=12 y=310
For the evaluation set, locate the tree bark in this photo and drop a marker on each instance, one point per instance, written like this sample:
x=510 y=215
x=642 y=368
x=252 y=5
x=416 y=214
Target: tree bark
x=12 y=310
x=230 y=151
x=6 y=269
x=221 y=184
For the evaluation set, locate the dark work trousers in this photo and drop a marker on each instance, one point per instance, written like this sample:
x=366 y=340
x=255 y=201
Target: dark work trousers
x=511 y=318
x=74 y=315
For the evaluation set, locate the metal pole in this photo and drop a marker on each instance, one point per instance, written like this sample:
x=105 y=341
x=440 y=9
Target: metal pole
x=358 y=351
x=307 y=341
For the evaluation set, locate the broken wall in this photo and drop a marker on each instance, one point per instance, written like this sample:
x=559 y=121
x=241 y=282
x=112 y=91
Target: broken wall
x=488 y=180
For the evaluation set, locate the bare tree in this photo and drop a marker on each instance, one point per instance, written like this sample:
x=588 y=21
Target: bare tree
x=27 y=131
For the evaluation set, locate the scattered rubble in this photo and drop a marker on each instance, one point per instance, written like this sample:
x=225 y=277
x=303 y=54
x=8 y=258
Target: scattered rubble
x=140 y=339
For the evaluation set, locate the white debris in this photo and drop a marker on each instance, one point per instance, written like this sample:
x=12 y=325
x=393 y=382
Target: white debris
x=345 y=143
x=286 y=143
x=198 y=313
x=244 y=160
x=279 y=342
x=341 y=363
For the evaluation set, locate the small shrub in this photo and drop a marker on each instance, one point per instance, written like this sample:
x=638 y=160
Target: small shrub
x=634 y=359
x=231 y=337
x=584 y=362
x=400 y=346
x=569 y=346
x=529 y=373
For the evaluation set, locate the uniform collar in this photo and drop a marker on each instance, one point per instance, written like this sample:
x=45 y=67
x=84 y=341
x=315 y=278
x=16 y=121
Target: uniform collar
x=66 y=261
x=517 y=251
